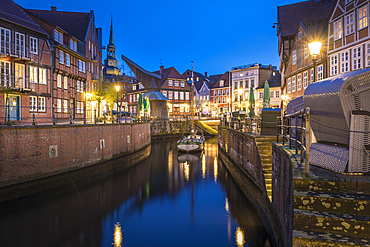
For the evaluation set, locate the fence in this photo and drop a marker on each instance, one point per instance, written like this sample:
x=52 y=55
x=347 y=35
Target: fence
x=295 y=128
x=244 y=124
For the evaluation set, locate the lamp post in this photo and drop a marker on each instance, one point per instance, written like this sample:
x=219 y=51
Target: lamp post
x=240 y=91
x=314 y=48
x=117 y=89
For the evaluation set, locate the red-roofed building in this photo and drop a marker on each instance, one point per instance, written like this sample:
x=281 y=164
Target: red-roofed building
x=76 y=61
x=25 y=67
x=220 y=95
x=177 y=90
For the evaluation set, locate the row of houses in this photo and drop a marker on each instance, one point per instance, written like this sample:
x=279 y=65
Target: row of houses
x=341 y=26
x=49 y=65
x=213 y=95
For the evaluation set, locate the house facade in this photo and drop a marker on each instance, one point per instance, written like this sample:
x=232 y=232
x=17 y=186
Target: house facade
x=76 y=62
x=25 y=68
x=349 y=37
x=220 y=96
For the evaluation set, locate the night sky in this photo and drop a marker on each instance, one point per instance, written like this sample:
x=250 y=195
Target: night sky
x=176 y=32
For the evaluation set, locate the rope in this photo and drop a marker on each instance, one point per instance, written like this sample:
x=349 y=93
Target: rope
x=346 y=130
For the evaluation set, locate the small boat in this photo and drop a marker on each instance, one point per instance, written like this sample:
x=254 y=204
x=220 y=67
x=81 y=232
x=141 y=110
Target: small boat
x=191 y=143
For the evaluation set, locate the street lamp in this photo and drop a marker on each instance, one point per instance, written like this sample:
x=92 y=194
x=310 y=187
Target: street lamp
x=117 y=89
x=314 y=48
x=240 y=91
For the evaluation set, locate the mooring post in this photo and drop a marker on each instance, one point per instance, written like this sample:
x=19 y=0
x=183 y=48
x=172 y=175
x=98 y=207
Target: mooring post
x=308 y=141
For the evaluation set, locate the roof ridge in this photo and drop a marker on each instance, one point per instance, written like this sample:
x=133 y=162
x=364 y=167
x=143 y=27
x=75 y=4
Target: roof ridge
x=70 y=12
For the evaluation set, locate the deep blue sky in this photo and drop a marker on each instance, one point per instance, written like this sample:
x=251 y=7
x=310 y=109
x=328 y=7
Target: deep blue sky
x=210 y=33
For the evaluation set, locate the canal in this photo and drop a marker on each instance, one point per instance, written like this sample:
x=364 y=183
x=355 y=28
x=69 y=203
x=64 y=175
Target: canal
x=166 y=200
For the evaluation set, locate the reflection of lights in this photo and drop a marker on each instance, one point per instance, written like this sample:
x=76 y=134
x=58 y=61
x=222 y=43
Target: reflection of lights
x=239 y=236
x=117 y=236
x=215 y=168
x=170 y=162
x=204 y=166
x=186 y=171
x=227 y=205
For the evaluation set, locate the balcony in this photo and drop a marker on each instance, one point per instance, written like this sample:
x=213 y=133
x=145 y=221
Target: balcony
x=9 y=83
x=16 y=51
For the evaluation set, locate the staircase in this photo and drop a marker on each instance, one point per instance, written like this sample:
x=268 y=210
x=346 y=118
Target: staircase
x=224 y=130
x=330 y=217
x=264 y=146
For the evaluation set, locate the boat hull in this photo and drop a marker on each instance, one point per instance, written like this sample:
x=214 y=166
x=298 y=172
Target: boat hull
x=188 y=148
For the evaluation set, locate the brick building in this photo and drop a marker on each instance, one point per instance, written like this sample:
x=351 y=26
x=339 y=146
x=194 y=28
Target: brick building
x=25 y=67
x=220 y=95
x=299 y=24
x=177 y=90
x=76 y=61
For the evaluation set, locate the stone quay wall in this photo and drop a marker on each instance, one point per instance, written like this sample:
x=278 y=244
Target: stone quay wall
x=29 y=153
x=244 y=164
x=169 y=129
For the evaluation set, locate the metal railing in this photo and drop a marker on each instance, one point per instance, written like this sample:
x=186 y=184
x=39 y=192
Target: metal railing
x=247 y=125
x=295 y=129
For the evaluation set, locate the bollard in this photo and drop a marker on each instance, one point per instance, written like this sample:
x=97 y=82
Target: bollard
x=308 y=141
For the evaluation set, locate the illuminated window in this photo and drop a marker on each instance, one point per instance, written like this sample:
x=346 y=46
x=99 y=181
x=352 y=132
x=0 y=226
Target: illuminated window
x=349 y=19
x=299 y=82
x=362 y=17
x=289 y=85
x=338 y=29
x=33 y=74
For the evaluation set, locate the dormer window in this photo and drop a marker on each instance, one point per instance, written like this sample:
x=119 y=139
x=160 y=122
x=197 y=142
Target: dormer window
x=133 y=87
x=72 y=45
x=222 y=83
x=58 y=36
x=299 y=34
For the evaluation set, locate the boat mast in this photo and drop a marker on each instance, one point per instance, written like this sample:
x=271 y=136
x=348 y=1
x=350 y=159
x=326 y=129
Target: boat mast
x=192 y=96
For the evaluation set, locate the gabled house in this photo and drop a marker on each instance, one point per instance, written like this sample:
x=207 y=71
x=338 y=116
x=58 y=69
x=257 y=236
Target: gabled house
x=220 y=95
x=25 y=68
x=299 y=24
x=349 y=39
x=76 y=61
x=177 y=90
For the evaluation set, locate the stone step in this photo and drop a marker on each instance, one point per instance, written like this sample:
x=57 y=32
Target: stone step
x=266 y=167
x=311 y=238
x=332 y=202
x=336 y=223
x=264 y=145
x=266 y=161
x=268 y=180
x=265 y=152
x=268 y=176
x=268 y=187
x=266 y=139
x=343 y=185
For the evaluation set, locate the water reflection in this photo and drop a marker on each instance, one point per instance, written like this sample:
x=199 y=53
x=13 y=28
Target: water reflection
x=166 y=200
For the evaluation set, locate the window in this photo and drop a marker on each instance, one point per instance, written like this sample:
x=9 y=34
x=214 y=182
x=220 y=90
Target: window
x=59 y=105
x=82 y=87
x=219 y=92
x=293 y=83
x=182 y=83
x=83 y=67
x=133 y=87
x=65 y=82
x=5 y=40
x=367 y=47
x=305 y=79
x=299 y=82
x=186 y=95
x=170 y=83
x=305 y=53
x=294 y=57
x=227 y=91
x=277 y=94
x=181 y=108
x=33 y=103
x=164 y=92
x=197 y=78
x=19 y=75
x=246 y=83
x=58 y=36
x=362 y=17
x=222 y=83
x=73 y=45
x=33 y=45
x=59 y=81
x=176 y=83
x=261 y=95
x=356 y=58
x=65 y=105
x=320 y=73
x=252 y=82
x=349 y=24
x=67 y=60
x=311 y=78
x=223 y=91
x=42 y=104
x=219 y=99
x=338 y=29
x=181 y=95
x=344 y=61
x=33 y=74
x=272 y=94
x=170 y=94
x=130 y=97
x=61 y=57
x=334 y=65
x=20 y=44
x=176 y=95
x=78 y=86
x=42 y=76
x=299 y=34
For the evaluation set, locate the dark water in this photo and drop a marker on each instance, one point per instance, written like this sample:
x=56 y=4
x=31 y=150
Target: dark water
x=163 y=201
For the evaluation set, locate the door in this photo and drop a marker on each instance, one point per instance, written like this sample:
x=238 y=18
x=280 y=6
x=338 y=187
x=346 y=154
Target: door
x=14 y=108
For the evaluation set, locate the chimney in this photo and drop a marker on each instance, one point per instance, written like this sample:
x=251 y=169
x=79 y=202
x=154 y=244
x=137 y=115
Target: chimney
x=53 y=8
x=161 y=69
x=205 y=74
x=270 y=66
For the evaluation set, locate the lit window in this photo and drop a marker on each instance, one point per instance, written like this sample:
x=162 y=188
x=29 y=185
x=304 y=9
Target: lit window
x=42 y=76
x=293 y=83
x=33 y=74
x=65 y=82
x=299 y=82
x=350 y=24
x=59 y=81
x=19 y=75
x=338 y=29
x=65 y=105
x=272 y=94
x=59 y=105
x=362 y=17
x=42 y=104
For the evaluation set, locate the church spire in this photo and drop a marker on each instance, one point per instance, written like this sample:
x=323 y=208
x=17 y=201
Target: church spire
x=111 y=30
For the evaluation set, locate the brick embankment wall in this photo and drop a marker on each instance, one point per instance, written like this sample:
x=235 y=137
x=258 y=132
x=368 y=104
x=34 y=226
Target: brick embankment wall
x=282 y=190
x=33 y=152
x=244 y=164
x=169 y=129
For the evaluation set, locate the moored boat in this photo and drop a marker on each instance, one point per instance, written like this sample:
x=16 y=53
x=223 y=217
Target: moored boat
x=191 y=143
